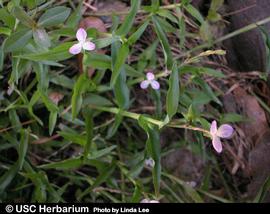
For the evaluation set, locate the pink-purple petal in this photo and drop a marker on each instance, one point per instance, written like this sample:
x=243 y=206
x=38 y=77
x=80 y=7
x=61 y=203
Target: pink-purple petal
x=213 y=128
x=81 y=35
x=89 y=46
x=144 y=84
x=225 y=131
x=75 y=49
x=150 y=76
x=217 y=144
x=155 y=84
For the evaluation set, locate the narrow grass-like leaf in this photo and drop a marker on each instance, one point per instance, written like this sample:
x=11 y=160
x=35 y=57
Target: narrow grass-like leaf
x=76 y=100
x=173 y=94
x=75 y=17
x=164 y=42
x=207 y=89
x=194 y=12
x=138 y=33
x=128 y=22
x=153 y=149
x=52 y=121
x=263 y=191
x=56 y=54
x=120 y=61
x=89 y=126
x=23 y=147
x=63 y=165
x=6 y=179
x=113 y=129
x=106 y=173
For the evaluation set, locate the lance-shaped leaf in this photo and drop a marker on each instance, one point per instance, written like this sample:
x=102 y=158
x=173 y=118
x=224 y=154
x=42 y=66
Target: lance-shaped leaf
x=172 y=99
x=128 y=22
x=121 y=57
x=54 y=16
x=153 y=149
x=164 y=42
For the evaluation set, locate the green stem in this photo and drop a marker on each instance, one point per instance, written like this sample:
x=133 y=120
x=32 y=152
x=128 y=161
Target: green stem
x=136 y=116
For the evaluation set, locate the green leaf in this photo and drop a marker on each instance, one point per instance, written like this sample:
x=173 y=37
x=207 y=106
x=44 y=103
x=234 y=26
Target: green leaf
x=24 y=18
x=207 y=89
x=75 y=17
x=52 y=121
x=7 y=18
x=213 y=11
x=113 y=129
x=201 y=70
x=103 y=177
x=23 y=147
x=104 y=42
x=164 y=42
x=120 y=61
x=205 y=32
x=194 y=12
x=120 y=88
x=136 y=195
x=6 y=179
x=89 y=126
x=93 y=155
x=2 y=56
x=56 y=54
x=266 y=37
x=50 y=105
x=155 y=4
x=135 y=36
x=182 y=27
x=18 y=40
x=76 y=100
x=54 y=16
x=5 y=31
x=172 y=99
x=73 y=137
x=99 y=61
x=128 y=22
x=233 y=118
x=153 y=149
x=41 y=38
x=67 y=164
x=168 y=15
x=97 y=100
x=121 y=91
x=263 y=191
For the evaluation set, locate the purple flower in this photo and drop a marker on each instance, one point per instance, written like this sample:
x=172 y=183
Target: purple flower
x=150 y=81
x=224 y=131
x=83 y=43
